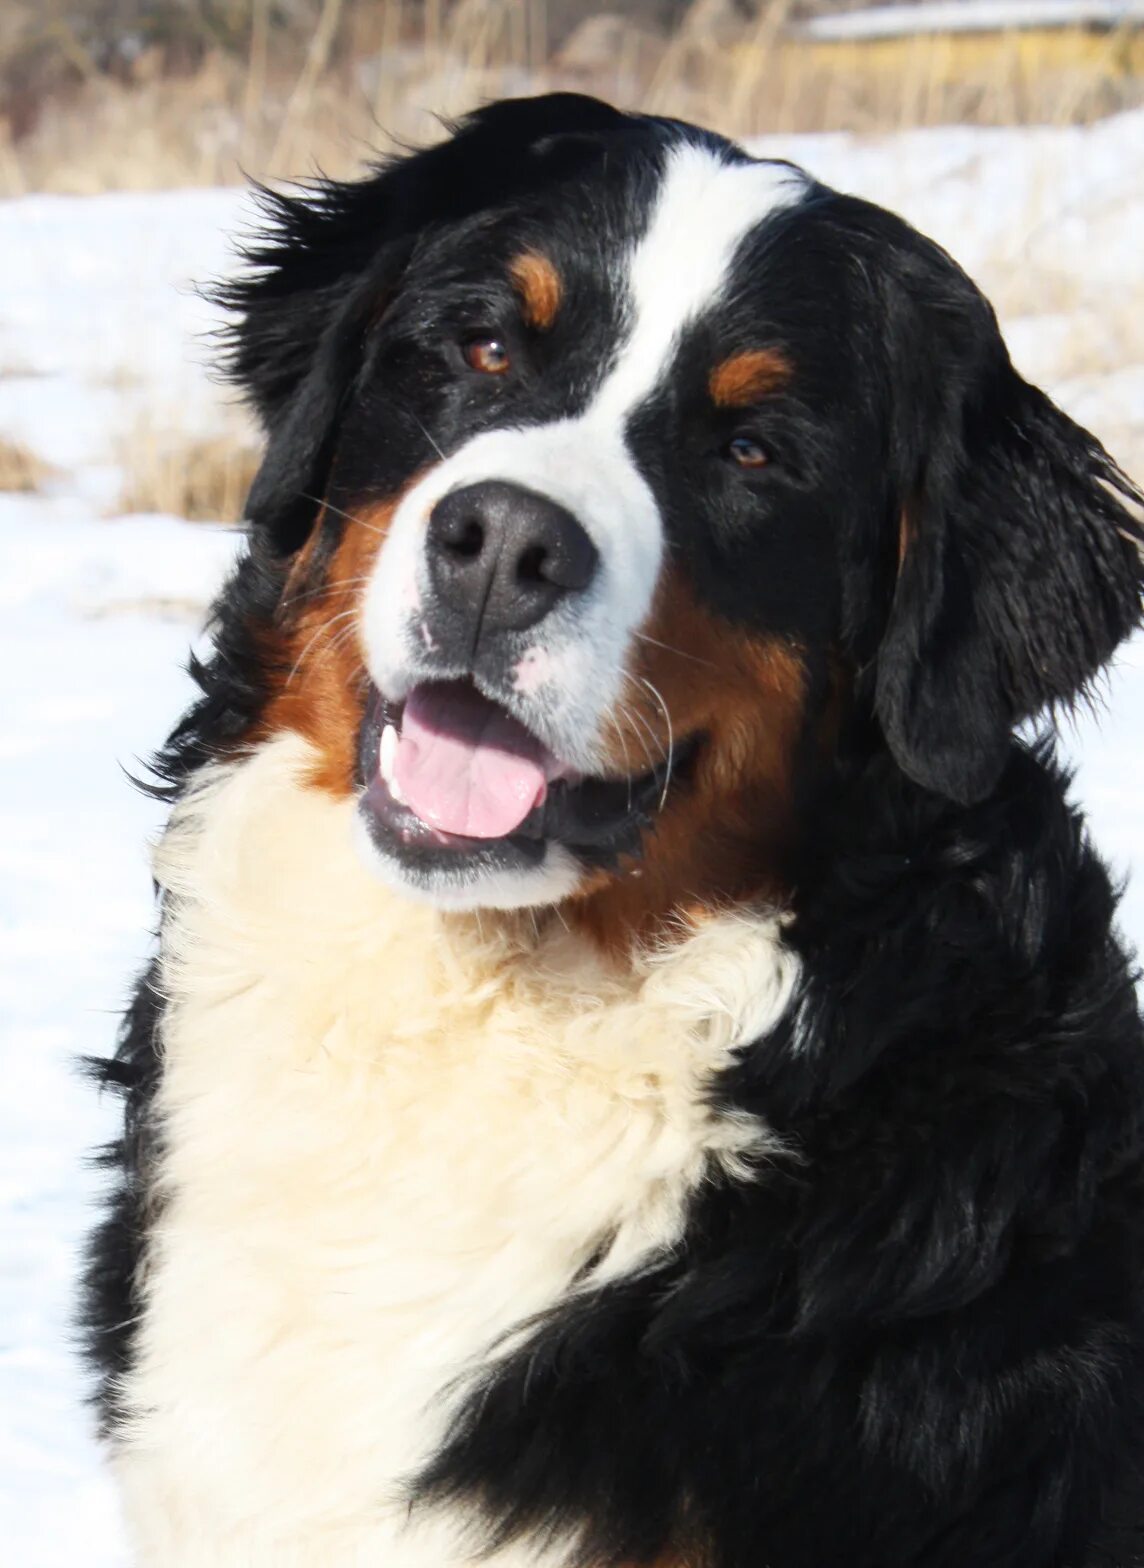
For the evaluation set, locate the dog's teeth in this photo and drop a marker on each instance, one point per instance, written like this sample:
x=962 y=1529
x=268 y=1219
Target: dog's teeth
x=386 y=758
x=387 y=754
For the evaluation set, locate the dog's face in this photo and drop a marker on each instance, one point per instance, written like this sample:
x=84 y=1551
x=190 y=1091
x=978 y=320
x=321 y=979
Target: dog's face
x=612 y=473
x=617 y=463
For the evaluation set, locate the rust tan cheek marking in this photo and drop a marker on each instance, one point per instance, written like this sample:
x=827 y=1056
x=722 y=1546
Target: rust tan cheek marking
x=744 y=378
x=686 y=1551
x=906 y=532
x=315 y=651
x=722 y=839
x=692 y=1559
x=538 y=287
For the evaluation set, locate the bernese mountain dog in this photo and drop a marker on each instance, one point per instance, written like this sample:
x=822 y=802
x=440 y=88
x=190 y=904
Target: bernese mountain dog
x=638 y=1069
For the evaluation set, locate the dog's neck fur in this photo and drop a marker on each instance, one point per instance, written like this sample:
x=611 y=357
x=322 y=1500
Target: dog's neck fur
x=408 y=1134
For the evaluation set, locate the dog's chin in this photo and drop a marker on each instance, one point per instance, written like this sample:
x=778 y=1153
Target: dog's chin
x=494 y=879
x=575 y=825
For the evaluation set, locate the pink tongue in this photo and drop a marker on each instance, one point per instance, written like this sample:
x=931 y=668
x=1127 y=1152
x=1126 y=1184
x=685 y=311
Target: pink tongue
x=464 y=766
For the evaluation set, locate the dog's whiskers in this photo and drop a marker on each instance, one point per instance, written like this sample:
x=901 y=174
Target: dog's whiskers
x=345 y=635
x=640 y=734
x=327 y=590
x=322 y=631
x=350 y=517
x=618 y=727
x=670 y=739
x=679 y=652
x=425 y=432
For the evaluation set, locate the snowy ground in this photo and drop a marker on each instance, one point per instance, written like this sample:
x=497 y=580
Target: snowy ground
x=98 y=331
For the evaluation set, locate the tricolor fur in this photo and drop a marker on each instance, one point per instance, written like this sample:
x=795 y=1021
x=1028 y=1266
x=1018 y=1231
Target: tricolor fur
x=638 y=1067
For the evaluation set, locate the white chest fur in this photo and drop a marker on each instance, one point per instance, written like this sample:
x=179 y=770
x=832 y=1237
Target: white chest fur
x=389 y=1140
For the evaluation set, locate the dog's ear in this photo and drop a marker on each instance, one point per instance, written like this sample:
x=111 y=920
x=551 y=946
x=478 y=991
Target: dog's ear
x=1020 y=543
x=329 y=253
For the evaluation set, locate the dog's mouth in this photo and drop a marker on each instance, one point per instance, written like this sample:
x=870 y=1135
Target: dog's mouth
x=449 y=773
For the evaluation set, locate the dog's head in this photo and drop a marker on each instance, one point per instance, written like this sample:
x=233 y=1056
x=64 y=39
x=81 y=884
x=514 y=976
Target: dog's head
x=610 y=470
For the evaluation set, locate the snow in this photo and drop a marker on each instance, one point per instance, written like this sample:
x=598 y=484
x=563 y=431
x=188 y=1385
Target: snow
x=970 y=16
x=90 y=673
x=99 y=329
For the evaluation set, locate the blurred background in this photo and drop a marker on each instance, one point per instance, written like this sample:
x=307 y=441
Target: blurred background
x=1010 y=130
x=148 y=94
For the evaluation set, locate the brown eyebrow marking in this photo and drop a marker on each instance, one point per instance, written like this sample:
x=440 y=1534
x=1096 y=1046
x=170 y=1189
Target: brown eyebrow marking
x=740 y=380
x=538 y=284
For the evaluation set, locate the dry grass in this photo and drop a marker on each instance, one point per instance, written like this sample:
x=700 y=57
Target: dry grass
x=366 y=70
x=21 y=471
x=201 y=478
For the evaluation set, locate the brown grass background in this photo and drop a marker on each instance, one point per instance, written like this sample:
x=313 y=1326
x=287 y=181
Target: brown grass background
x=137 y=94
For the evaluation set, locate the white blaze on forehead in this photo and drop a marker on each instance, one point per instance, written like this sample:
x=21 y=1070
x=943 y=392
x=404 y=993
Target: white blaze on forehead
x=704 y=209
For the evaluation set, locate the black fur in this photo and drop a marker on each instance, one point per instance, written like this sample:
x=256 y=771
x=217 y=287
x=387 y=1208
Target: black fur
x=917 y=1341
x=333 y=255
x=111 y=1302
x=920 y=1339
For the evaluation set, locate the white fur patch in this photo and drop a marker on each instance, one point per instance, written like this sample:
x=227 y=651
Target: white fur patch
x=390 y=1138
x=706 y=207
x=463 y=887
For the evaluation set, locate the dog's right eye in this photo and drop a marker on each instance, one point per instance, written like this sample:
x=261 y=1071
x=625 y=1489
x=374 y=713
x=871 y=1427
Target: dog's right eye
x=488 y=355
x=746 y=452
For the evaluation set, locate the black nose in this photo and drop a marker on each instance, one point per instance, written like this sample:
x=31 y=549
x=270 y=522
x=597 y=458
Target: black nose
x=500 y=556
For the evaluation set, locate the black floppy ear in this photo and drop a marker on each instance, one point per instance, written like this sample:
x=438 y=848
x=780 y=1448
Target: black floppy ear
x=1021 y=544
x=331 y=251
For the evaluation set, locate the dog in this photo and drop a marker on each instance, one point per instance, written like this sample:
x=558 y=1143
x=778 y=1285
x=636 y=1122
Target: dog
x=638 y=1066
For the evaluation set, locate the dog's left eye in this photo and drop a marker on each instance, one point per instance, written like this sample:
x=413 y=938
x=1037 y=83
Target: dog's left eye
x=747 y=452
x=488 y=355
